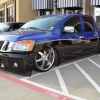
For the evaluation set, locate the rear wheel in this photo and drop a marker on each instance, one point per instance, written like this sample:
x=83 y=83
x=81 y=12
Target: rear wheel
x=44 y=59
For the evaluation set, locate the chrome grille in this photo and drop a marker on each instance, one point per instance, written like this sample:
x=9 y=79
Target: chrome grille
x=6 y=46
x=1 y=43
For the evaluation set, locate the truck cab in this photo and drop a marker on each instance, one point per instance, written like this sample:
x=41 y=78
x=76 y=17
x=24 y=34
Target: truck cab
x=80 y=30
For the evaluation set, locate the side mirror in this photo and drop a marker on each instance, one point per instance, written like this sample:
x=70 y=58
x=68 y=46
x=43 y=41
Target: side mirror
x=69 y=29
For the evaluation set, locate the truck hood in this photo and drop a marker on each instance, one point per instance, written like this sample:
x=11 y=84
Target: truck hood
x=37 y=36
x=21 y=33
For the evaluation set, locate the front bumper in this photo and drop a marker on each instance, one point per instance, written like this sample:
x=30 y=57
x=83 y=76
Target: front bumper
x=23 y=61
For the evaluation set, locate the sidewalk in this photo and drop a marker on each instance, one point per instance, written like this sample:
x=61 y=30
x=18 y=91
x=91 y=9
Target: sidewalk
x=14 y=89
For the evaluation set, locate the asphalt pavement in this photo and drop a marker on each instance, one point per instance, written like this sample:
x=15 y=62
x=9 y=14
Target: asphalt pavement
x=78 y=79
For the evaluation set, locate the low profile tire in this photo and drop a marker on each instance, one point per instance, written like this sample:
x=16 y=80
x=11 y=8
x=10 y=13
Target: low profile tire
x=44 y=59
x=57 y=58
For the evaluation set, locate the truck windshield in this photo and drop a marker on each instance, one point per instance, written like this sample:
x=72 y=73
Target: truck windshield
x=44 y=24
x=4 y=27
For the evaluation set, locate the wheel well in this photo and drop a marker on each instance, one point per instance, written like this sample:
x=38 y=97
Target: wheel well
x=54 y=43
x=40 y=46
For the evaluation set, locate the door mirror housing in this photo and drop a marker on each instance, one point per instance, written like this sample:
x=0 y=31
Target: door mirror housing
x=69 y=29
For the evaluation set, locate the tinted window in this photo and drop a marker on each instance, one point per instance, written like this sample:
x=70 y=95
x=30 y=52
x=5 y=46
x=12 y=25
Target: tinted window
x=88 y=24
x=17 y=26
x=75 y=22
x=4 y=27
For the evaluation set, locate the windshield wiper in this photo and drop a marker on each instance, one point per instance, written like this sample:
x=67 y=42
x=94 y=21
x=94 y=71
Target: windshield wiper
x=24 y=28
x=35 y=28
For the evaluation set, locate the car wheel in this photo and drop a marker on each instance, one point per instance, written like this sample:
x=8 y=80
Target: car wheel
x=44 y=59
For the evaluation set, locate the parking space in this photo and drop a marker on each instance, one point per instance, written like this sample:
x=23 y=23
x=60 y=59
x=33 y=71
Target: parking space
x=78 y=79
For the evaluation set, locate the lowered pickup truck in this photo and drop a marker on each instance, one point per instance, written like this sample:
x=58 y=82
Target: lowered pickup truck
x=35 y=45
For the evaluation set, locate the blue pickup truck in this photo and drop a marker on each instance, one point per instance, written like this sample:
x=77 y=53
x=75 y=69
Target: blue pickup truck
x=36 y=44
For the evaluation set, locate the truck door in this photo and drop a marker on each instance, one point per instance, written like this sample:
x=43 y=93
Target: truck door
x=89 y=34
x=72 y=39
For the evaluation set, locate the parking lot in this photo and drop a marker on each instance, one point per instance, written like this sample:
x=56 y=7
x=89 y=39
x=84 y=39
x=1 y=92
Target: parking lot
x=72 y=80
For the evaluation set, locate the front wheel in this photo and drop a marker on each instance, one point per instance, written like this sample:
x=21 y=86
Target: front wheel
x=44 y=59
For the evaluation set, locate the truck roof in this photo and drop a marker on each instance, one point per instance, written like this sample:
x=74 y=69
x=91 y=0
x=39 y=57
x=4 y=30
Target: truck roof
x=63 y=15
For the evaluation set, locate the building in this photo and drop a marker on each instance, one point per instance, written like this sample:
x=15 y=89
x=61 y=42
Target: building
x=63 y=6
x=25 y=10
x=16 y=11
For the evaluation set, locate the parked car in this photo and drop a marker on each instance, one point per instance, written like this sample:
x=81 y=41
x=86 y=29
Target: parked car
x=35 y=45
x=10 y=26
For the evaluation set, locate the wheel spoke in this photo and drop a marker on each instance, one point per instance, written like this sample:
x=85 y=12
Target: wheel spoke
x=50 y=52
x=51 y=56
x=38 y=60
x=48 y=64
x=43 y=64
x=45 y=53
x=40 y=53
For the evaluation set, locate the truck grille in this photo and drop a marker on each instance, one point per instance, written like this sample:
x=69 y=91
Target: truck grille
x=1 y=44
x=6 y=46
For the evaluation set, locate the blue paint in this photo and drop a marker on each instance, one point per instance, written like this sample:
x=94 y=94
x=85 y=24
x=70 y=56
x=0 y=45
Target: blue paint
x=41 y=37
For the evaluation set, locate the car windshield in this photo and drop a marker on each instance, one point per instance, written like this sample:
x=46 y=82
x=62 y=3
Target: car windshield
x=4 y=27
x=43 y=24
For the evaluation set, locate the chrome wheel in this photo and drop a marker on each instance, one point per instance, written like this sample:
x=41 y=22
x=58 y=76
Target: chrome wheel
x=45 y=59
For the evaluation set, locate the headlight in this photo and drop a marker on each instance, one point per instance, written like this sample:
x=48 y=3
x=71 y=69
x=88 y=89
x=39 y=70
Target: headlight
x=25 y=45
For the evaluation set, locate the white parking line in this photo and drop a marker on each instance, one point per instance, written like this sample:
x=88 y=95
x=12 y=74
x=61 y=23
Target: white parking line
x=94 y=62
x=42 y=86
x=88 y=77
x=61 y=82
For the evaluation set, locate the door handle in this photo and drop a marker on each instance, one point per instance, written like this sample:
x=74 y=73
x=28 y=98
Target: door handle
x=82 y=37
x=96 y=34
